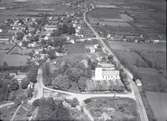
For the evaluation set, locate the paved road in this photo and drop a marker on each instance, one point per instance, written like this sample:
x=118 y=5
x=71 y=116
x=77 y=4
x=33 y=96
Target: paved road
x=140 y=105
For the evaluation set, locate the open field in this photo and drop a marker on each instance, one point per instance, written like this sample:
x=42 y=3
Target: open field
x=105 y=13
x=158 y=104
x=31 y=7
x=121 y=109
x=146 y=61
x=144 y=20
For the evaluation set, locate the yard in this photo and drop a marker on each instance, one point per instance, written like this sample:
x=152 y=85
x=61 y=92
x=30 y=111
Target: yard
x=118 y=109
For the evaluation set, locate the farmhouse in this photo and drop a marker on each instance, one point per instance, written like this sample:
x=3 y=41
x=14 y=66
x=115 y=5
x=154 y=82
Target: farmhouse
x=106 y=74
x=50 y=27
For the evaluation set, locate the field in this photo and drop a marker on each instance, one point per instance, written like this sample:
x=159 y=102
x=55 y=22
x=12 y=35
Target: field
x=121 y=109
x=105 y=13
x=146 y=61
x=158 y=104
x=144 y=20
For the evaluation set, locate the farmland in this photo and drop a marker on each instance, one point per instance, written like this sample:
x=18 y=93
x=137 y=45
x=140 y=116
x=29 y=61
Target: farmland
x=147 y=62
x=158 y=104
x=142 y=60
x=105 y=13
x=141 y=14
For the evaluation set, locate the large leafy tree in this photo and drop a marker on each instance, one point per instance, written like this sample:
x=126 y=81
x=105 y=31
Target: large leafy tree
x=52 y=110
x=24 y=83
x=19 y=35
x=61 y=81
x=32 y=74
x=14 y=85
x=82 y=83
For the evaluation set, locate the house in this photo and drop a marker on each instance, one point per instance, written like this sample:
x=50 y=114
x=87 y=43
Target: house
x=4 y=40
x=18 y=76
x=50 y=27
x=102 y=74
x=92 y=48
x=138 y=82
x=106 y=65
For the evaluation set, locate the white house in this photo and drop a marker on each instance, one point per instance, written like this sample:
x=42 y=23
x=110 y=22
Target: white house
x=106 y=74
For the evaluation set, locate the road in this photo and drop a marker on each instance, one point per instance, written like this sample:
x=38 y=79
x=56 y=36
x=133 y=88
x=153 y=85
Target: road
x=40 y=87
x=15 y=113
x=6 y=104
x=81 y=97
x=140 y=105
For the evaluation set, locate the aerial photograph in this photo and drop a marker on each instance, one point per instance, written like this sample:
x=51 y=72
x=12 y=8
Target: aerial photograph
x=83 y=60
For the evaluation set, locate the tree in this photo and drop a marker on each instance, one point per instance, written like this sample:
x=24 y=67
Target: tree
x=52 y=110
x=32 y=74
x=30 y=92
x=24 y=84
x=71 y=30
x=36 y=102
x=110 y=58
x=14 y=85
x=51 y=54
x=55 y=33
x=92 y=63
x=19 y=35
x=122 y=74
x=82 y=83
x=61 y=113
x=19 y=99
x=74 y=102
x=59 y=42
x=5 y=65
x=74 y=73
x=3 y=89
x=46 y=107
x=61 y=81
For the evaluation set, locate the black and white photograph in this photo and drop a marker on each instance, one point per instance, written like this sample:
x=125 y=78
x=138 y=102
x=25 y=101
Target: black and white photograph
x=83 y=60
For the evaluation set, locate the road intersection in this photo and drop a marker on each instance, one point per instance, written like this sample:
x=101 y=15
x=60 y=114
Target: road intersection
x=40 y=88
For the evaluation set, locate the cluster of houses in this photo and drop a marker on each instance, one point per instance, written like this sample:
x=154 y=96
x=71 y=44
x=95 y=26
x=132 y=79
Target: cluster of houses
x=105 y=77
x=133 y=38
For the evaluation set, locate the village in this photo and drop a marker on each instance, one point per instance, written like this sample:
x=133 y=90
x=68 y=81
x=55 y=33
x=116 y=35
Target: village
x=58 y=64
